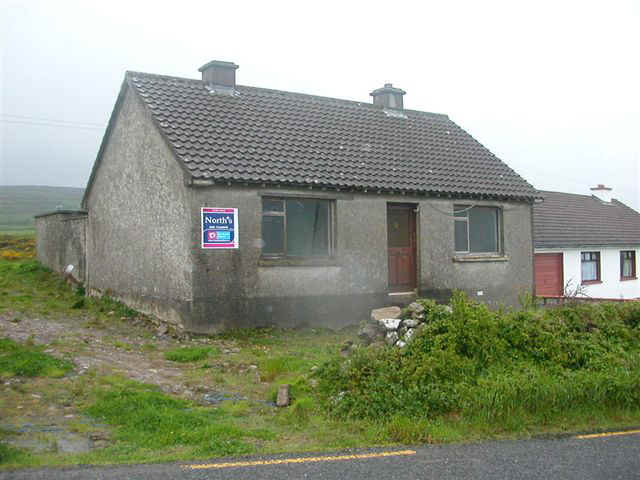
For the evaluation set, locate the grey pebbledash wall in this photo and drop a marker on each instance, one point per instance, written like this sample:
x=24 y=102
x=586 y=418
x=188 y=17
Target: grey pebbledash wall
x=143 y=245
x=61 y=241
x=139 y=226
x=236 y=288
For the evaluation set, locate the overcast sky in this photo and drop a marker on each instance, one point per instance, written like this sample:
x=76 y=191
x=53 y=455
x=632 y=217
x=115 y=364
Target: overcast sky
x=552 y=88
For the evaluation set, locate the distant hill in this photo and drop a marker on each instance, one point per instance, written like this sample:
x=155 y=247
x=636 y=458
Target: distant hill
x=18 y=204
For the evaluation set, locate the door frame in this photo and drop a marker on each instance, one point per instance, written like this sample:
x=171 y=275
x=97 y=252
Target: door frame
x=414 y=210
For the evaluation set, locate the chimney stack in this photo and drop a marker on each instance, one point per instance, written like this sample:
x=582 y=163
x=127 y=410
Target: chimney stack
x=602 y=193
x=388 y=97
x=219 y=74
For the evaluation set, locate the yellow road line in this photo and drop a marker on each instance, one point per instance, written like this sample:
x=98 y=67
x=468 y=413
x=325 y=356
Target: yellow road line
x=300 y=460
x=609 y=434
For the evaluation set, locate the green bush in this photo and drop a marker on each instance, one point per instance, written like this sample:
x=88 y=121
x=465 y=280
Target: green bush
x=491 y=364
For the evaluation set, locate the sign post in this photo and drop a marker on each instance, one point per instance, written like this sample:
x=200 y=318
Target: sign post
x=219 y=227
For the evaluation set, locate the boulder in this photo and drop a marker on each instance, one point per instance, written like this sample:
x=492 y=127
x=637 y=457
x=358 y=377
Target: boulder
x=415 y=308
x=400 y=344
x=283 y=396
x=371 y=333
x=386 y=312
x=390 y=323
x=411 y=322
x=392 y=338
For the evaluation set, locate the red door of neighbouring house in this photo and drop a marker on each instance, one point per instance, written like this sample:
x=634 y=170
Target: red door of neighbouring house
x=401 y=244
x=549 y=275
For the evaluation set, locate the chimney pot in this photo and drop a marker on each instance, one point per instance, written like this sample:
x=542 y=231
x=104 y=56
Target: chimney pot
x=388 y=96
x=602 y=193
x=217 y=73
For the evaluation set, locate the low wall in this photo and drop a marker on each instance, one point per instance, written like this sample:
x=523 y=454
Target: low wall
x=61 y=241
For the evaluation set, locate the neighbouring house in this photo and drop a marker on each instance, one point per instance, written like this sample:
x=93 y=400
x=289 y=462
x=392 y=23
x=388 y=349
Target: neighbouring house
x=586 y=246
x=216 y=205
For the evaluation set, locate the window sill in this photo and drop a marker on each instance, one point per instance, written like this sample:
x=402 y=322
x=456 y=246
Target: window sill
x=297 y=262
x=626 y=279
x=480 y=257
x=591 y=282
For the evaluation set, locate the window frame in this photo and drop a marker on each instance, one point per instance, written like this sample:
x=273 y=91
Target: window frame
x=633 y=264
x=461 y=208
x=331 y=228
x=598 y=261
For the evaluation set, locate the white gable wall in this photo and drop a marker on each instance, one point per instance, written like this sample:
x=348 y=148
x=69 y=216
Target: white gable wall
x=611 y=286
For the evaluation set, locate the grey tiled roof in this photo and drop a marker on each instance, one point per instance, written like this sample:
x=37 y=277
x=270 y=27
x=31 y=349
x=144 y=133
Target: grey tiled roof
x=570 y=220
x=269 y=136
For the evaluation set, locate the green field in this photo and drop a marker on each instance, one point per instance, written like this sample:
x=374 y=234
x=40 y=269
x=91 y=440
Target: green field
x=18 y=204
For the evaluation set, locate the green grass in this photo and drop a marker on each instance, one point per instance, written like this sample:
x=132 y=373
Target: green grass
x=190 y=354
x=148 y=419
x=29 y=361
x=28 y=287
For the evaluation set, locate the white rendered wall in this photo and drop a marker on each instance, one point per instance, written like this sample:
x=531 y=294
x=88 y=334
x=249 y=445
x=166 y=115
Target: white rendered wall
x=611 y=286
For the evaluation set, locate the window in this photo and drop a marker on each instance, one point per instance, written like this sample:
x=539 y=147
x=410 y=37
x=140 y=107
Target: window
x=627 y=264
x=296 y=227
x=590 y=266
x=477 y=229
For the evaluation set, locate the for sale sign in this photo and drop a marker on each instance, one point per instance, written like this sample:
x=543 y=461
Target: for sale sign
x=219 y=227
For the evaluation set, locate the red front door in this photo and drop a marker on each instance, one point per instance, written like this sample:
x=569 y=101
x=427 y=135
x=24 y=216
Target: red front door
x=549 y=277
x=401 y=244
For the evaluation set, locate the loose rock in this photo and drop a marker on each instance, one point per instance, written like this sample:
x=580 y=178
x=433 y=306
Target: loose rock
x=390 y=323
x=283 y=396
x=386 y=312
x=392 y=338
x=411 y=323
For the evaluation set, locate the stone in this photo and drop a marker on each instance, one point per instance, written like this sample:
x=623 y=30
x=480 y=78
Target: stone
x=392 y=338
x=411 y=323
x=416 y=308
x=401 y=344
x=371 y=333
x=162 y=329
x=283 y=395
x=386 y=312
x=409 y=334
x=390 y=323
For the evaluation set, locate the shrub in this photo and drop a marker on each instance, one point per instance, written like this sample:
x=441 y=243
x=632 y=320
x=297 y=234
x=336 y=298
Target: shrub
x=493 y=364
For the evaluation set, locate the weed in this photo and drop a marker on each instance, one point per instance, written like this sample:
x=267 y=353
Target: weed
x=272 y=367
x=148 y=419
x=405 y=430
x=9 y=453
x=190 y=354
x=29 y=361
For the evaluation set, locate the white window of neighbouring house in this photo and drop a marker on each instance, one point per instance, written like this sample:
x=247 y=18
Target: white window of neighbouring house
x=590 y=267
x=477 y=229
x=296 y=227
x=627 y=264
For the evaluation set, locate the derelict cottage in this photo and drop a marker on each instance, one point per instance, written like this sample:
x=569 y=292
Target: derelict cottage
x=216 y=205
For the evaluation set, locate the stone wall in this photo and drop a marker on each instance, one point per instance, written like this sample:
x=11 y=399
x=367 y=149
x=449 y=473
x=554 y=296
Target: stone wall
x=61 y=241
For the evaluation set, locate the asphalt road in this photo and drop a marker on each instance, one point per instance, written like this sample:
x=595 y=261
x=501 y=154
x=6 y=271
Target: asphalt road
x=610 y=457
